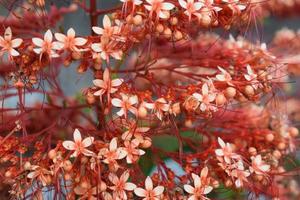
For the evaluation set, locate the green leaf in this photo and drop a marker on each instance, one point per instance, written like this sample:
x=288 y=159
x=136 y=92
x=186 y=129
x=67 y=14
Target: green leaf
x=166 y=142
x=146 y=163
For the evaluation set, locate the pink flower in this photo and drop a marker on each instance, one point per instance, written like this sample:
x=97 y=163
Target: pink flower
x=149 y=193
x=79 y=145
x=235 y=5
x=39 y=173
x=45 y=46
x=159 y=7
x=137 y=132
x=107 y=85
x=224 y=76
x=191 y=7
x=105 y=51
x=258 y=165
x=209 y=5
x=69 y=41
x=126 y=103
x=226 y=151
x=108 y=30
x=251 y=76
x=132 y=151
x=9 y=45
x=241 y=176
x=200 y=188
x=205 y=98
x=158 y=107
x=134 y=2
x=121 y=185
x=112 y=153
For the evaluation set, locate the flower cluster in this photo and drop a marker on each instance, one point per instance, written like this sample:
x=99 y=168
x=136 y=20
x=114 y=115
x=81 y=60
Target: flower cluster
x=161 y=91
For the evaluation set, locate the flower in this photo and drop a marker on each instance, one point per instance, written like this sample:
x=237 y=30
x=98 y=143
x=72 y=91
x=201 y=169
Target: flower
x=8 y=44
x=132 y=152
x=205 y=98
x=191 y=7
x=149 y=193
x=69 y=41
x=224 y=76
x=235 y=5
x=135 y=131
x=258 y=165
x=79 y=145
x=134 y=3
x=226 y=151
x=121 y=185
x=241 y=176
x=105 y=51
x=209 y=5
x=159 y=7
x=200 y=189
x=107 y=85
x=108 y=30
x=40 y=173
x=46 y=45
x=159 y=106
x=251 y=76
x=125 y=104
x=112 y=153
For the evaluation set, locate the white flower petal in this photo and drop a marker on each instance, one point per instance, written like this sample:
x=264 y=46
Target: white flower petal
x=16 y=42
x=88 y=141
x=140 y=192
x=77 y=135
x=70 y=145
x=158 y=190
x=48 y=36
x=189 y=189
x=148 y=183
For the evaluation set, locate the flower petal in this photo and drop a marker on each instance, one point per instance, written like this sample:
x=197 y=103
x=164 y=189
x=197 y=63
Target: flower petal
x=48 y=36
x=37 y=42
x=106 y=22
x=189 y=189
x=140 y=192
x=60 y=37
x=16 y=42
x=70 y=145
x=113 y=145
x=148 y=183
x=158 y=190
x=80 y=41
x=88 y=141
x=129 y=186
x=97 y=30
x=77 y=136
x=116 y=102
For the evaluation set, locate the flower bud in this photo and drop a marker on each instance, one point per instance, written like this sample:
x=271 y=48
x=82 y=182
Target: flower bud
x=52 y=154
x=205 y=20
x=252 y=151
x=146 y=143
x=67 y=165
x=230 y=92
x=220 y=99
x=160 y=28
x=293 y=131
x=138 y=20
x=249 y=90
x=269 y=137
x=167 y=33
x=173 y=21
x=27 y=166
x=178 y=35
x=142 y=112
